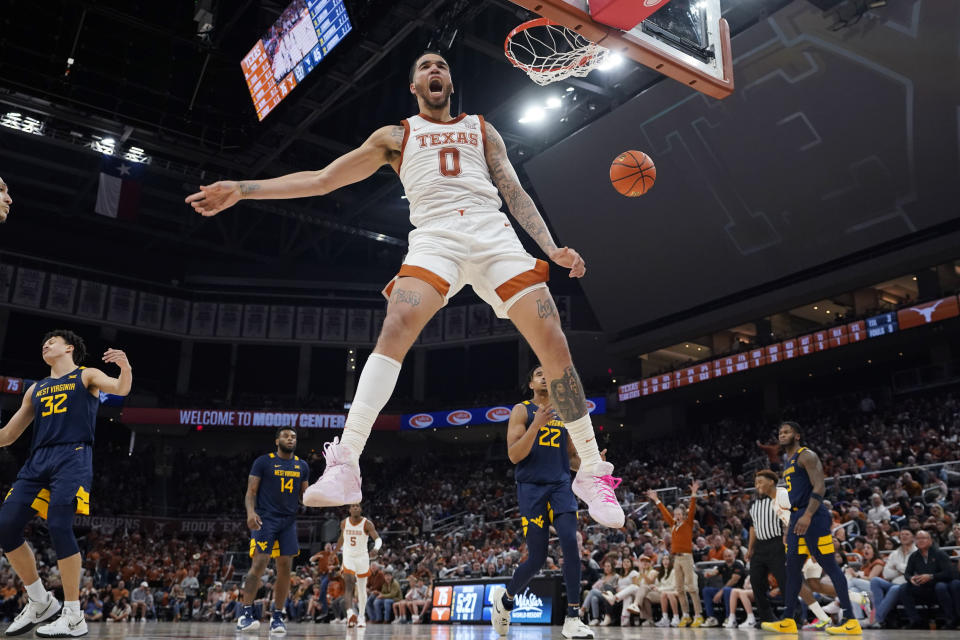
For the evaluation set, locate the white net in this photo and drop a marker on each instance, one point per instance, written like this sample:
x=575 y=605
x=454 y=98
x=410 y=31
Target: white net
x=549 y=52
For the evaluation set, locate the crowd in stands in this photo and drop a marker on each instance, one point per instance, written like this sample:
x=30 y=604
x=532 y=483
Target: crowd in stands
x=445 y=516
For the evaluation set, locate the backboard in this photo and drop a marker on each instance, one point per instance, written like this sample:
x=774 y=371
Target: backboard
x=686 y=40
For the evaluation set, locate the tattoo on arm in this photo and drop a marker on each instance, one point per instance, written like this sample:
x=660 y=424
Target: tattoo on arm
x=397 y=134
x=566 y=394
x=815 y=471
x=247 y=188
x=518 y=201
x=545 y=307
x=406 y=296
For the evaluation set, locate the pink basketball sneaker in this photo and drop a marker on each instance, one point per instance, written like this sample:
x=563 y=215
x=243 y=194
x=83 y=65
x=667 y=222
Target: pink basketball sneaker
x=595 y=487
x=340 y=482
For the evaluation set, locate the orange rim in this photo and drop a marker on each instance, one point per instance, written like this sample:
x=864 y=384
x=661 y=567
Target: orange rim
x=540 y=22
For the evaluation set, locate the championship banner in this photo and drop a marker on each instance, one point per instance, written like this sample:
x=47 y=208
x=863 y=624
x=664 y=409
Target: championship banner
x=334 y=325
x=479 y=320
x=477 y=416
x=204 y=315
x=455 y=323
x=308 y=323
x=281 y=322
x=239 y=418
x=93 y=299
x=29 y=287
x=358 y=325
x=121 y=305
x=150 y=311
x=6 y=281
x=255 y=321
x=177 y=317
x=62 y=293
x=229 y=320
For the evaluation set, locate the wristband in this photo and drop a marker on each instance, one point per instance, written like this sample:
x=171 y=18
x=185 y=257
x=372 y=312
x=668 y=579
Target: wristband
x=817 y=496
x=377 y=544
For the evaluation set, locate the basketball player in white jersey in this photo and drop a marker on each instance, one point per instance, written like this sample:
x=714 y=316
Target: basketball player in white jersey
x=355 y=531
x=451 y=169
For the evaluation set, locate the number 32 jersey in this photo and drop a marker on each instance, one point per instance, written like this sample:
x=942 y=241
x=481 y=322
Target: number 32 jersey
x=65 y=412
x=444 y=170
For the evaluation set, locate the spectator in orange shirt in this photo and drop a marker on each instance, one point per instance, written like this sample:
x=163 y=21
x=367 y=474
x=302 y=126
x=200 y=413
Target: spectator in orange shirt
x=717 y=547
x=681 y=546
x=335 y=598
x=911 y=486
x=325 y=562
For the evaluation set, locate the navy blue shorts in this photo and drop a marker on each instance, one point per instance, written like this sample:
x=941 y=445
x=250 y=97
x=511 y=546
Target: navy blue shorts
x=277 y=536
x=539 y=502
x=58 y=475
x=818 y=534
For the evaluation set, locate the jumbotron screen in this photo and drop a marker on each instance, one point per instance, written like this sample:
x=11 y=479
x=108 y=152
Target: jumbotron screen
x=301 y=37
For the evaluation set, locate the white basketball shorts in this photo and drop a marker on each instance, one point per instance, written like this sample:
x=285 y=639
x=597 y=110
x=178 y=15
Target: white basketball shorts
x=479 y=249
x=357 y=565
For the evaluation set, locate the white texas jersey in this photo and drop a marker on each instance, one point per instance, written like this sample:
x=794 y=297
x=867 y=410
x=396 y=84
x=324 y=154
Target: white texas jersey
x=444 y=170
x=355 y=538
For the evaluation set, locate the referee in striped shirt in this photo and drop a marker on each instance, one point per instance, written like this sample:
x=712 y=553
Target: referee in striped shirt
x=765 y=552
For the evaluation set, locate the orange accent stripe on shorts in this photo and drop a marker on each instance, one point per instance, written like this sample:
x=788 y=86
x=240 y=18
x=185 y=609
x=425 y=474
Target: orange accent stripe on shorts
x=413 y=271
x=354 y=573
x=513 y=286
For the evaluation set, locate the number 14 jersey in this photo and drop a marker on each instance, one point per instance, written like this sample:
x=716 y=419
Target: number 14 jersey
x=444 y=169
x=280 y=483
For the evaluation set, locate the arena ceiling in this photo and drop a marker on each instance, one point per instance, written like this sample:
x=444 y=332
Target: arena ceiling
x=142 y=75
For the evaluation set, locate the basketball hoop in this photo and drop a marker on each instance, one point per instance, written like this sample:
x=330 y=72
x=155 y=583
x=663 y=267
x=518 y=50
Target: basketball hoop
x=549 y=51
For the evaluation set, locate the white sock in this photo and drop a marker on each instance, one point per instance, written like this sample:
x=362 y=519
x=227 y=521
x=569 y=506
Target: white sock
x=361 y=597
x=36 y=591
x=585 y=441
x=818 y=611
x=376 y=384
x=72 y=606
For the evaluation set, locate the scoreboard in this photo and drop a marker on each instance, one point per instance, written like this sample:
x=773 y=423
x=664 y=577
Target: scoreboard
x=469 y=601
x=301 y=37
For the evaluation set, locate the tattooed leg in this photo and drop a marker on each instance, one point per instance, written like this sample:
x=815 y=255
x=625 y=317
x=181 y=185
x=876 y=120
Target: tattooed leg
x=536 y=318
x=412 y=303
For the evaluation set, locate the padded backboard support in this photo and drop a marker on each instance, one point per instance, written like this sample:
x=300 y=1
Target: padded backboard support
x=714 y=78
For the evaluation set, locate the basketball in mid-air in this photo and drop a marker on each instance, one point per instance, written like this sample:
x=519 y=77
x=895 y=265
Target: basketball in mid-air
x=632 y=173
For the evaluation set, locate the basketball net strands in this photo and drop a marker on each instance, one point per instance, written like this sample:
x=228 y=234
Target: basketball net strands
x=687 y=40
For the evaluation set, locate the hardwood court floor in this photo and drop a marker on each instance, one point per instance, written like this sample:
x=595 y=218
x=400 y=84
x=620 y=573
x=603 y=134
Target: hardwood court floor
x=167 y=630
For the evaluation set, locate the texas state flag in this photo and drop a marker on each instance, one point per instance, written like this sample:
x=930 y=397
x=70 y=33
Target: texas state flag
x=118 y=195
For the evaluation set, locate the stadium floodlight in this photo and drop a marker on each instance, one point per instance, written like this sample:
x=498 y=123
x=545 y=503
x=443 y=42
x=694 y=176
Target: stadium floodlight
x=613 y=61
x=533 y=114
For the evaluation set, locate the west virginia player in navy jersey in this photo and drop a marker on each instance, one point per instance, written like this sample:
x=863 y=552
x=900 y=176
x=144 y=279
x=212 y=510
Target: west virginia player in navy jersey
x=808 y=533
x=537 y=442
x=55 y=480
x=274 y=490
